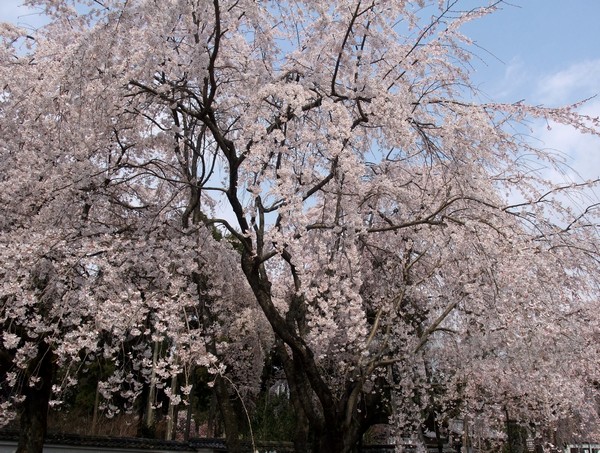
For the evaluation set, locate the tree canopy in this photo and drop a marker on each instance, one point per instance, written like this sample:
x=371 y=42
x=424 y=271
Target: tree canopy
x=318 y=178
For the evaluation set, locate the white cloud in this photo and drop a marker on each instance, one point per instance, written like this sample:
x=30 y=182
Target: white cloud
x=577 y=82
x=581 y=151
x=515 y=79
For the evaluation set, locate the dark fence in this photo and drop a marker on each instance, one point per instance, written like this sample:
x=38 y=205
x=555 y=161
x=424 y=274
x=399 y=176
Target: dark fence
x=193 y=445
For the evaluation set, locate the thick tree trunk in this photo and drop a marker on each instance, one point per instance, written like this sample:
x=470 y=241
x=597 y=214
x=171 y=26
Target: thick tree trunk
x=319 y=436
x=330 y=430
x=223 y=396
x=34 y=411
x=212 y=422
x=301 y=435
x=338 y=440
x=229 y=416
x=302 y=428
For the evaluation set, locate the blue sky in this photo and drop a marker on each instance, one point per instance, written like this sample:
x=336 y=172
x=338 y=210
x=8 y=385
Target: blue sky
x=543 y=51
x=531 y=41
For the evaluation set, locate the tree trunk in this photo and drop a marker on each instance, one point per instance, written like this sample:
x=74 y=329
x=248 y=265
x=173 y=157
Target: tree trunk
x=188 y=418
x=336 y=441
x=302 y=431
x=95 y=414
x=438 y=438
x=34 y=411
x=172 y=415
x=212 y=422
x=149 y=420
x=228 y=414
x=331 y=433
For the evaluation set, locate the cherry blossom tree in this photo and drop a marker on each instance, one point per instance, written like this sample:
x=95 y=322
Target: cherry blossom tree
x=397 y=232
x=95 y=264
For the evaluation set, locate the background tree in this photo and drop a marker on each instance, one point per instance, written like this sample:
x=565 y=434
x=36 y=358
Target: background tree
x=392 y=227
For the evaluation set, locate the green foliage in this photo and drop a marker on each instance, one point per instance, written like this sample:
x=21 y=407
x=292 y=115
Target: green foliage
x=273 y=418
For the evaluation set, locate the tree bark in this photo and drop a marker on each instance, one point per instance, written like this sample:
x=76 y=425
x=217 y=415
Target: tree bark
x=95 y=413
x=330 y=430
x=337 y=440
x=34 y=411
x=228 y=414
x=302 y=428
x=172 y=413
x=150 y=417
x=188 y=418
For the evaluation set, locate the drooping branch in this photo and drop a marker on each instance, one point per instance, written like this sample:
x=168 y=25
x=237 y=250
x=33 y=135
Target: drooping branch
x=435 y=324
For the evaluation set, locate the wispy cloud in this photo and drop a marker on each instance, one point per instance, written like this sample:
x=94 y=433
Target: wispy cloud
x=570 y=84
x=581 y=151
x=577 y=82
x=514 y=82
